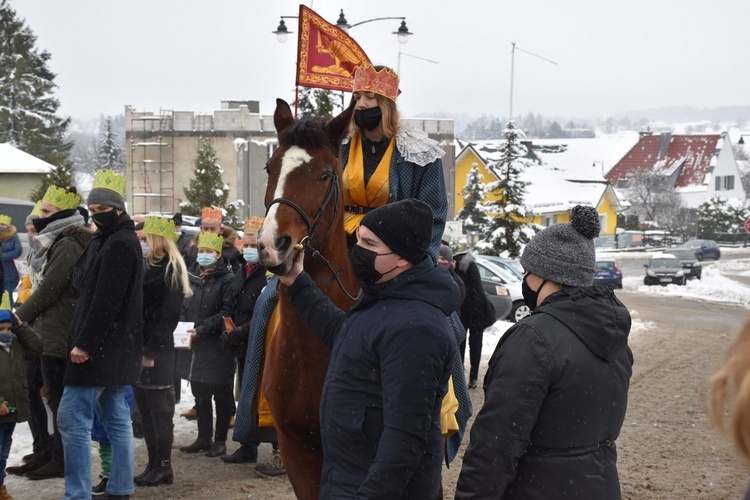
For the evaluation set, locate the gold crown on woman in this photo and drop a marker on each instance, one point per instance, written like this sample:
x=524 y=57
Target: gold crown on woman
x=5 y=301
x=383 y=82
x=37 y=209
x=5 y=220
x=212 y=241
x=159 y=226
x=60 y=198
x=253 y=225
x=109 y=179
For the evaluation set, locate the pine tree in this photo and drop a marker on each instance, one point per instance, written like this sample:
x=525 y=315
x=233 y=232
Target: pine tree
x=28 y=107
x=109 y=153
x=61 y=175
x=506 y=233
x=317 y=103
x=474 y=213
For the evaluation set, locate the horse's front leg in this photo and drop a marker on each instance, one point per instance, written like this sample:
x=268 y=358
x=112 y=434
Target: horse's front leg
x=303 y=461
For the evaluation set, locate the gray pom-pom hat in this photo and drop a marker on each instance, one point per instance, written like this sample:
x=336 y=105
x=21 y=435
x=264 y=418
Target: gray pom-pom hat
x=565 y=253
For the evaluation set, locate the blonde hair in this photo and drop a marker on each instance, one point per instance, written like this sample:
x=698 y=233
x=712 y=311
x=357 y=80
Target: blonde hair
x=732 y=382
x=160 y=247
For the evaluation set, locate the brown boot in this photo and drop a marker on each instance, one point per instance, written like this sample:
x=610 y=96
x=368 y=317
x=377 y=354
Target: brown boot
x=51 y=469
x=33 y=464
x=190 y=414
x=4 y=495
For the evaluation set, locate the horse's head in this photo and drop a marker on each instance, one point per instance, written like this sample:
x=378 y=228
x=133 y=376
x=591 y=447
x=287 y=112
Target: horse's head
x=303 y=184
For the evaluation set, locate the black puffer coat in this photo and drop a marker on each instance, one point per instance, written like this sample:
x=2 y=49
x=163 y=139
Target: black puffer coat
x=476 y=311
x=162 y=306
x=247 y=288
x=108 y=318
x=212 y=300
x=556 y=392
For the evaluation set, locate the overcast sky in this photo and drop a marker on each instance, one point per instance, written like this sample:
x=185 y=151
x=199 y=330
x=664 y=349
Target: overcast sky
x=612 y=56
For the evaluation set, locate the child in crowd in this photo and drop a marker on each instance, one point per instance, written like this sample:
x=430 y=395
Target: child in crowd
x=17 y=340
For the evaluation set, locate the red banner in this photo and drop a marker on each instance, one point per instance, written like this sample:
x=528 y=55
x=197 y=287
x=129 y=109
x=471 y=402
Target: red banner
x=326 y=56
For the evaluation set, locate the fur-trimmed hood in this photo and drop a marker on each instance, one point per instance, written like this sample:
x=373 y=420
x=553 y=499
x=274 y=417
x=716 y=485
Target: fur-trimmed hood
x=79 y=232
x=9 y=233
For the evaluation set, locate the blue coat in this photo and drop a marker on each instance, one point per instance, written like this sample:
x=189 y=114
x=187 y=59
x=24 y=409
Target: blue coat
x=391 y=358
x=11 y=249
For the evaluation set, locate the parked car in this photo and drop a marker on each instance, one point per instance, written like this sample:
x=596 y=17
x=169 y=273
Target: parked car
x=664 y=269
x=499 y=297
x=490 y=271
x=512 y=266
x=608 y=273
x=703 y=249
x=18 y=210
x=690 y=264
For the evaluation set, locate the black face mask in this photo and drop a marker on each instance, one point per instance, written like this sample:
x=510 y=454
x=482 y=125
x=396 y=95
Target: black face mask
x=369 y=118
x=106 y=221
x=530 y=296
x=42 y=222
x=363 y=262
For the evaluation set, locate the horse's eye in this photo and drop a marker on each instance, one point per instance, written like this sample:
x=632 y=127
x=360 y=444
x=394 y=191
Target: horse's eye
x=268 y=171
x=324 y=176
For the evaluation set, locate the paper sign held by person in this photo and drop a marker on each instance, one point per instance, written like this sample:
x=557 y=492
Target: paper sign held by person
x=182 y=337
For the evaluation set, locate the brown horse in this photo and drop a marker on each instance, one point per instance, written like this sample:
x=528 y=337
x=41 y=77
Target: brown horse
x=304 y=209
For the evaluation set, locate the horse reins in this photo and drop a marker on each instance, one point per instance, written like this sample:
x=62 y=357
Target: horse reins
x=331 y=192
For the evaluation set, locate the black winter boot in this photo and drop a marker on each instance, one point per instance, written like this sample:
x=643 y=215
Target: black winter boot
x=159 y=474
x=200 y=444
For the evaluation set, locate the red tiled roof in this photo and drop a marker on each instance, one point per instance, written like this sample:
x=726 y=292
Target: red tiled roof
x=691 y=153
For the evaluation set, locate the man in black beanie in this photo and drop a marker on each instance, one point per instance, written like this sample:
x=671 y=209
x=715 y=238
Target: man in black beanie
x=391 y=359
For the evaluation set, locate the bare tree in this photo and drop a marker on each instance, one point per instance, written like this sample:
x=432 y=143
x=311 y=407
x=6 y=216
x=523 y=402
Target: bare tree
x=653 y=197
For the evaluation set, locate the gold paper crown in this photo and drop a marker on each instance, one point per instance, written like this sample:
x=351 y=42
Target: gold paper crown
x=5 y=302
x=383 y=82
x=159 y=226
x=252 y=226
x=37 y=209
x=209 y=213
x=109 y=179
x=61 y=198
x=5 y=219
x=212 y=241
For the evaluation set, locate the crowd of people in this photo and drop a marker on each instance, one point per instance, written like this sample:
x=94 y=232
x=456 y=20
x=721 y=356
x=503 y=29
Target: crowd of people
x=88 y=332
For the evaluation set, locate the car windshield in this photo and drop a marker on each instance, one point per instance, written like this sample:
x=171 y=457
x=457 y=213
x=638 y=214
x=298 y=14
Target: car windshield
x=665 y=263
x=683 y=254
x=605 y=264
x=490 y=270
x=692 y=244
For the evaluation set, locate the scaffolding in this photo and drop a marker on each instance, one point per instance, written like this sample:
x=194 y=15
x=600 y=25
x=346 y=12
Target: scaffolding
x=152 y=162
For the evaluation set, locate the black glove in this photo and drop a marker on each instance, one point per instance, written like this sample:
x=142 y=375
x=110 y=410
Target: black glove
x=238 y=336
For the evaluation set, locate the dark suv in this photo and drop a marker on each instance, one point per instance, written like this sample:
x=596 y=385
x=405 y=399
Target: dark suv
x=689 y=262
x=703 y=249
x=664 y=269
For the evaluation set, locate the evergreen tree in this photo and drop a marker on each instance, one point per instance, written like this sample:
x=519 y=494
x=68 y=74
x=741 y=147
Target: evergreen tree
x=206 y=188
x=28 y=108
x=506 y=233
x=317 y=103
x=474 y=213
x=109 y=153
x=718 y=216
x=61 y=175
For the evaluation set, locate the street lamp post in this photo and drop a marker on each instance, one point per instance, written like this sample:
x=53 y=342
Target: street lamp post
x=512 y=64
x=282 y=32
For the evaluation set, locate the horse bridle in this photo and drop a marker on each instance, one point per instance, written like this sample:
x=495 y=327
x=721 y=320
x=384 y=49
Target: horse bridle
x=331 y=192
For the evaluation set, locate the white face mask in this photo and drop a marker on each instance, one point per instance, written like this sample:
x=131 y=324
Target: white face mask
x=250 y=255
x=206 y=259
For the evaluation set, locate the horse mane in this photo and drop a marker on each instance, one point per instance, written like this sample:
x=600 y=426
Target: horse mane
x=307 y=133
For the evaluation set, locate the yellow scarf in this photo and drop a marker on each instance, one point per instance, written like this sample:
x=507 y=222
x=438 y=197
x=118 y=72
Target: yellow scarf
x=376 y=193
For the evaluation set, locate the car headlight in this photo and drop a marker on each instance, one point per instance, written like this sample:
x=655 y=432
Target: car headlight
x=650 y=272
x=679 y=273
x=501 y=290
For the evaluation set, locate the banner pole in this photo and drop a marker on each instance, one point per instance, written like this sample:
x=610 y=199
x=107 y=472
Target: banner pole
x=296 y=100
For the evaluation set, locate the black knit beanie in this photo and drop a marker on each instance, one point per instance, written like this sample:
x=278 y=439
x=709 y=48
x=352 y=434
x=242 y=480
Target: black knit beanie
x=405 y=226
x=565 y=253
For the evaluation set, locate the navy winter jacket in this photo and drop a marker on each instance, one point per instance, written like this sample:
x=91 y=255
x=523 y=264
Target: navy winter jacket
x=391 y=359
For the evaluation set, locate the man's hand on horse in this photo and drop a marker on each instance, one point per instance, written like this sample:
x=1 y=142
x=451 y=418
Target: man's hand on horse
x=291 y=276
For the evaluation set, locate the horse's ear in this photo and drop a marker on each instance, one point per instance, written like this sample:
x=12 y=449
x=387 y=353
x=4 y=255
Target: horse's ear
x=282 y=117
x=338 y=126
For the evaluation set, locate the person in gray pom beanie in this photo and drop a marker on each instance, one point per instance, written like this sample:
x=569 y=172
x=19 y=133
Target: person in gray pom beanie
x=556 y=389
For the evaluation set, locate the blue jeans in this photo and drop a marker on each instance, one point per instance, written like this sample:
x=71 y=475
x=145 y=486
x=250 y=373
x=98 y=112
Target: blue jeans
x=6 y=438
x=75 y=418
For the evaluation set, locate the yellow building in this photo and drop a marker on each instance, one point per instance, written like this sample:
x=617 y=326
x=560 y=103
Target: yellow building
x=551 y=191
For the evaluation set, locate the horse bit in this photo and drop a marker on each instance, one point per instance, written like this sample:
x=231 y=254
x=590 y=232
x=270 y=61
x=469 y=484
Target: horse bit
x=331 y=192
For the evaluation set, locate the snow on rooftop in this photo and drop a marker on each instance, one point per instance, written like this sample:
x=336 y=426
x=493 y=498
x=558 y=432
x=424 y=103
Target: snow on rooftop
x=15 y=161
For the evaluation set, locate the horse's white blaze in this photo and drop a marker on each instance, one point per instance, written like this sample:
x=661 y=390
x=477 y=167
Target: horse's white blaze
x=292 y=159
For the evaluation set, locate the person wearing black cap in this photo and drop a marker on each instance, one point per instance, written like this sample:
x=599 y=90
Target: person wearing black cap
x=392 y=356
x=556 y=388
